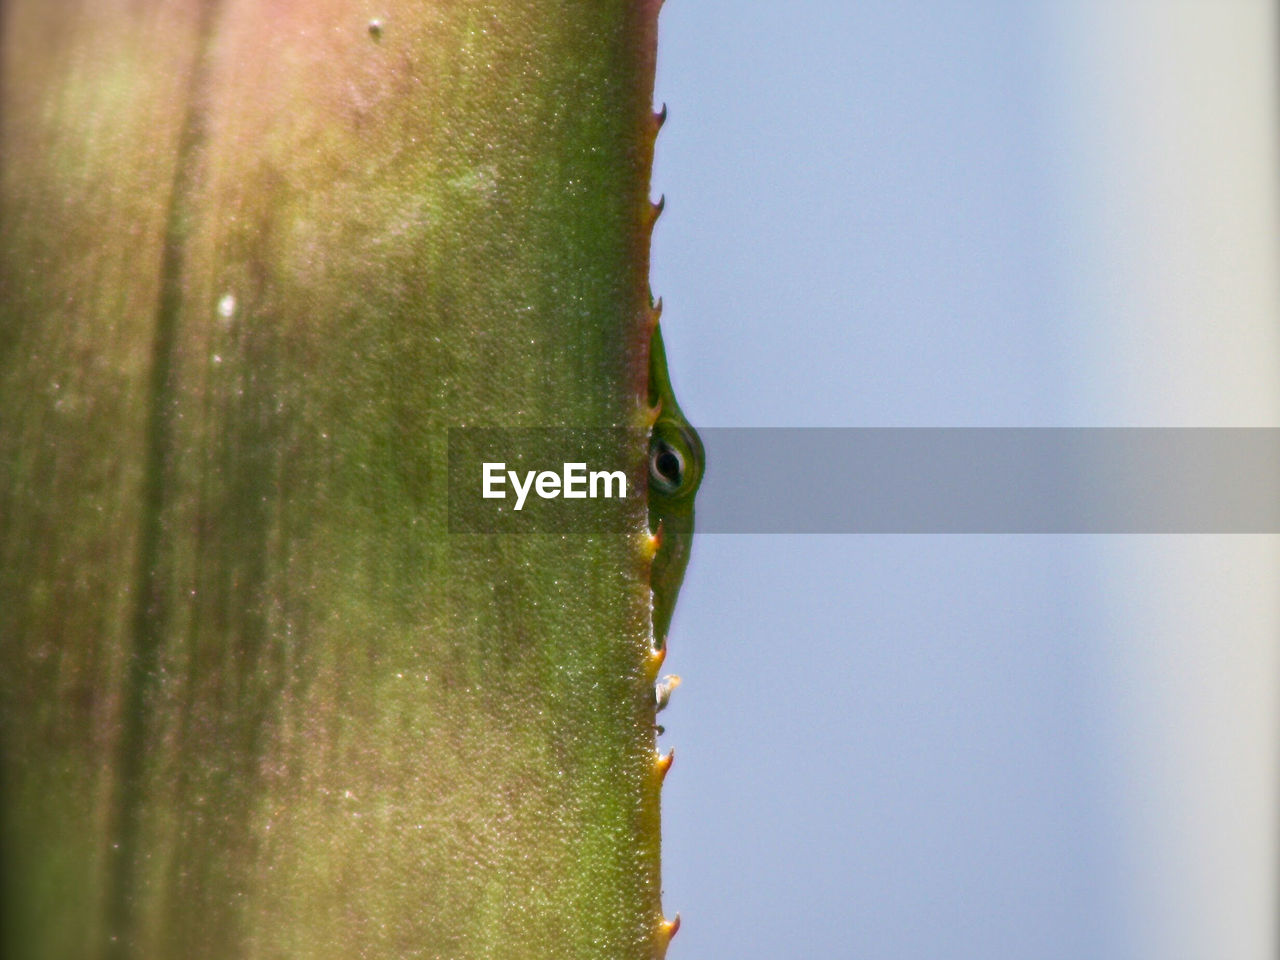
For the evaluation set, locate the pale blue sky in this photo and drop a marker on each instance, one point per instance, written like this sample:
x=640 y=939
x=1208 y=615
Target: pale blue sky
x=893 y=747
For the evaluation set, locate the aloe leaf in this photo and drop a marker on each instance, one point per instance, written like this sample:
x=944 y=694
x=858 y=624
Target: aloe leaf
x=256 y=258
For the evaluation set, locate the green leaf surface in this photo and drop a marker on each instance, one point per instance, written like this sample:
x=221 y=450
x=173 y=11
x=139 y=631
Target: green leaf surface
x=256 y=258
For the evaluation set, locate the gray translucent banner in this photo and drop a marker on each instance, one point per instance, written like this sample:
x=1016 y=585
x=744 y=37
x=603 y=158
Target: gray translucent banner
x=991 y=480
x=887 y=480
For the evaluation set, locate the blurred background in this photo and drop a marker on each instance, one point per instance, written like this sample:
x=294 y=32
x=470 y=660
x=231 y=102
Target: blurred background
x=972 y=214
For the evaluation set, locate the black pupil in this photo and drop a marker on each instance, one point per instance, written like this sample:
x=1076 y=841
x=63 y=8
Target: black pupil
x=668 y=465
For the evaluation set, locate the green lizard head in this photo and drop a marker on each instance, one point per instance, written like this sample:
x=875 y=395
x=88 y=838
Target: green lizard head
x=676 y=461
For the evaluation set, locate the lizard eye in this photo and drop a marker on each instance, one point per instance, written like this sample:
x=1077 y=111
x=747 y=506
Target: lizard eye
x=666 y=466
x=675 y=465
